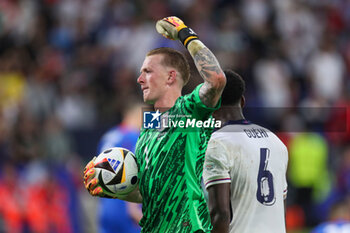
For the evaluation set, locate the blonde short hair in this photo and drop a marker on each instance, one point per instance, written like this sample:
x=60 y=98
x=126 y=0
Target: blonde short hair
x=175 y=59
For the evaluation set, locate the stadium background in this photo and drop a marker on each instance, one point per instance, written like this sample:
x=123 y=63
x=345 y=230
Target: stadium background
x=67 y=68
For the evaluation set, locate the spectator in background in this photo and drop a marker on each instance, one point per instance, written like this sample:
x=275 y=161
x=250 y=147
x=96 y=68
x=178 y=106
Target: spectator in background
x=35 y=201
x=56 y=142
x=300 y=32
x=12 y=85
x=273 y=70
x=308 y=172
x=11 y=219
x=339 y=219
x=115 y=215
x=343 y=174
x=338 y=124
x=47 y=201
x=326 y=70
x=26 y=139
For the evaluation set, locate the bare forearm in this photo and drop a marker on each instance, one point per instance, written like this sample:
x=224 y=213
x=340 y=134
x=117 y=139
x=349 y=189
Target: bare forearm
x=220 y=224
x=206 y=63
x=210 y=70
x=219 y=207
x=134 y=196
x=134 y=211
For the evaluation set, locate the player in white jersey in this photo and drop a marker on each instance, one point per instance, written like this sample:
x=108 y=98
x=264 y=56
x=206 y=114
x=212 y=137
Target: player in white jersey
x=245 y=171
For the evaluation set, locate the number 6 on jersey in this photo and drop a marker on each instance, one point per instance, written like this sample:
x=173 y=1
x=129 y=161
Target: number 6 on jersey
x=265 y=193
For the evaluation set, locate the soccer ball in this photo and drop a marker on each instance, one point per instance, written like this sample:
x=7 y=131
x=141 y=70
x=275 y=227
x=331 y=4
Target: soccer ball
x=116 y=169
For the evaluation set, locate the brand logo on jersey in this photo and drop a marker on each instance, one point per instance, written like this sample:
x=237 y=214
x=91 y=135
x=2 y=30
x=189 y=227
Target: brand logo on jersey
x=114 y=163
x=151 y=120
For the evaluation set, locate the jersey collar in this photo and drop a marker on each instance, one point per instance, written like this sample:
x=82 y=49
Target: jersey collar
x=239 y=122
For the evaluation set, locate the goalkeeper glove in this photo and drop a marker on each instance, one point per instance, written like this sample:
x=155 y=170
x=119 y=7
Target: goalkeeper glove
x=91 y=182
x=174 y=28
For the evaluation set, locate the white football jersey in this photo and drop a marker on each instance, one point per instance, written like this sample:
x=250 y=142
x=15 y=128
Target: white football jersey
x=254 y=160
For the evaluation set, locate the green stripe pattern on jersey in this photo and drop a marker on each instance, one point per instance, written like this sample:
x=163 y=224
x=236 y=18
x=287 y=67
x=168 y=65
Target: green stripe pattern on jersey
x=170 y=164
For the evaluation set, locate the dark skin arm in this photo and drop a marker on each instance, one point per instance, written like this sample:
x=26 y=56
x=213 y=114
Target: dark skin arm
x=285 y=212
x=219 y=207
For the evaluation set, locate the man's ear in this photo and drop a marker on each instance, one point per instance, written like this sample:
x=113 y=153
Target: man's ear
x=171 y=77
x=242 y=101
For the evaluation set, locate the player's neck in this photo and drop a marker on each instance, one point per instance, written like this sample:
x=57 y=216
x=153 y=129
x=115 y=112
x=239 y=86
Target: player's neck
x=167 y=101
x=237 y=114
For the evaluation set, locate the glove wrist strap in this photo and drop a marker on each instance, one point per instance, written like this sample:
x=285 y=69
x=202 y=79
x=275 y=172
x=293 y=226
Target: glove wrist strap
x=186 y=35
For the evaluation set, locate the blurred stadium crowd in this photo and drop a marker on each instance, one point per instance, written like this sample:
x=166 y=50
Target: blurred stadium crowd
x=68 y=67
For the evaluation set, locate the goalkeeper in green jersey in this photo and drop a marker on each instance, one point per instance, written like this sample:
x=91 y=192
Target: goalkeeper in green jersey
x=170 y=158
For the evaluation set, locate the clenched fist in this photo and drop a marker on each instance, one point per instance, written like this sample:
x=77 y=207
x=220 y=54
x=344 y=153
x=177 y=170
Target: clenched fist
x=174 y=28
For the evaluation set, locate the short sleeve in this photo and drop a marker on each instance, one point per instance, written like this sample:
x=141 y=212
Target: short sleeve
x=194 y=105
x=216 y=168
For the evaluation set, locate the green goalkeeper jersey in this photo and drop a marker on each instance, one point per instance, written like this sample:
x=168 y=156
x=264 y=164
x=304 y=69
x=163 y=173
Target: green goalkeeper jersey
x=170 y=161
